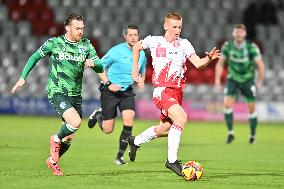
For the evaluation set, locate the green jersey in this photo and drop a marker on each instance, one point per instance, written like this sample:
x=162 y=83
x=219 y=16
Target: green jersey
x=66 y=66
x=240 y=60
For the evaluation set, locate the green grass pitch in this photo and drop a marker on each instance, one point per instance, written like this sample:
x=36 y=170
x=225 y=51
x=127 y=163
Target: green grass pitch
x=24 y=147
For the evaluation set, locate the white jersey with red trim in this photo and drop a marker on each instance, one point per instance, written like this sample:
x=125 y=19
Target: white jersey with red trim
x=169 y=60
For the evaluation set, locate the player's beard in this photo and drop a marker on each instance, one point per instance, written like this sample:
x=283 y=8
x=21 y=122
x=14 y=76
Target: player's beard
x=78 y=38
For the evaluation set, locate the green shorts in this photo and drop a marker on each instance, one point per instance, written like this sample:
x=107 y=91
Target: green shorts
x=61 y=102
x=247 y=89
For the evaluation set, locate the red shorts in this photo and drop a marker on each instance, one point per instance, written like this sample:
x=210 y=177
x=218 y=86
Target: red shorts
x=164 y=98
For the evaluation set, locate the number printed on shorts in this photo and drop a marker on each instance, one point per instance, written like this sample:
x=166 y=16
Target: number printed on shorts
x=253 y=90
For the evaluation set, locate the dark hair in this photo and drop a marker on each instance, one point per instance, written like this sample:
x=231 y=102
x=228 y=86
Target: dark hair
x=240 y=26
x=131 y=26
x=71 y=17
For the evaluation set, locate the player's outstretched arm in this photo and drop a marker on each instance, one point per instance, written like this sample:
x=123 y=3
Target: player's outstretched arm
x=201 y=63
x=19 y=83
x=136 y=54
x=93 y=61
x=29 y=66
x=213 y=54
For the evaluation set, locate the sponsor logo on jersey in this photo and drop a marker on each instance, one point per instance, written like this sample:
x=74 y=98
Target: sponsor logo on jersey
x=240 y=60
x=238 y=57
x=161 y=52
x=68 y=56
x=173 y=52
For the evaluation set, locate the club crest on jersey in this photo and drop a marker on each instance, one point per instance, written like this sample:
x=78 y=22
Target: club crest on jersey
x=172 y=100
x=164 y=112
x=62 y=105
x=81 y=50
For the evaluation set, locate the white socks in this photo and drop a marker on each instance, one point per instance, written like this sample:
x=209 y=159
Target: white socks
x=173 y=139
x=145 y=136
x=173 y=142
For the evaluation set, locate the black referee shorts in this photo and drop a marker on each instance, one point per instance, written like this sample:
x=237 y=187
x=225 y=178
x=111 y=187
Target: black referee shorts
x=124 y=100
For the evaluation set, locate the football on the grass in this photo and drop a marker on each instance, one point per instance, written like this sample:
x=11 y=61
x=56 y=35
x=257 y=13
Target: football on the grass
x=192 y=171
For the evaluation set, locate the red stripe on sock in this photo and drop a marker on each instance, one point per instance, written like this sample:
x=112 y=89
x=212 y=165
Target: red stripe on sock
x=177 y=127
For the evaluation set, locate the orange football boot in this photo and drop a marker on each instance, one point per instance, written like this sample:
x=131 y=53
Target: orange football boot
x=54 y=149
x=54 y=167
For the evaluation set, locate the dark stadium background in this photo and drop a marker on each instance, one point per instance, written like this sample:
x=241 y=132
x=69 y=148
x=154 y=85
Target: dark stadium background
x=27 y=120
x=26 y=24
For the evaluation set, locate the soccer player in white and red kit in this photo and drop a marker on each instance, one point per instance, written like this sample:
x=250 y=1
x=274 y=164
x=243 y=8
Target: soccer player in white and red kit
x=169 y=54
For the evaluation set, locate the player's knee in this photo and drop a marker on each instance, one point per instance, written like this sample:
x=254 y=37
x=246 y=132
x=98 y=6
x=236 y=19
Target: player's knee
x=128 y=122
x=251 y=107
x=161 y=130
x=181 y=120
x=107 y=130
x=227 y=107
x=184 y=120
x=76 y=122
x=251 y=110
x=107 y=126
x=228 y=103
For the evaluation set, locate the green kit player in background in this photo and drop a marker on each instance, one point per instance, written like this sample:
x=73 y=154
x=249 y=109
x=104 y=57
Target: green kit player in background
x=68 y=55
x=241 y=56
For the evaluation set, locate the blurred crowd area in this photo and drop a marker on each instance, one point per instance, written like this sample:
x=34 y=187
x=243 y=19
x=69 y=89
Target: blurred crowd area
x=26 y=24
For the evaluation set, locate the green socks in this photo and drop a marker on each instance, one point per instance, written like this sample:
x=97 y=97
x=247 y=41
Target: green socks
x=65 y=130
x=228 y=114
x=253 y=123
x=65 y=145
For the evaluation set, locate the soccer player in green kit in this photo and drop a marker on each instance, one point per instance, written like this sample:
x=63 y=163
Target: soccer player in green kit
x=68 y=55
x=241 y=56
